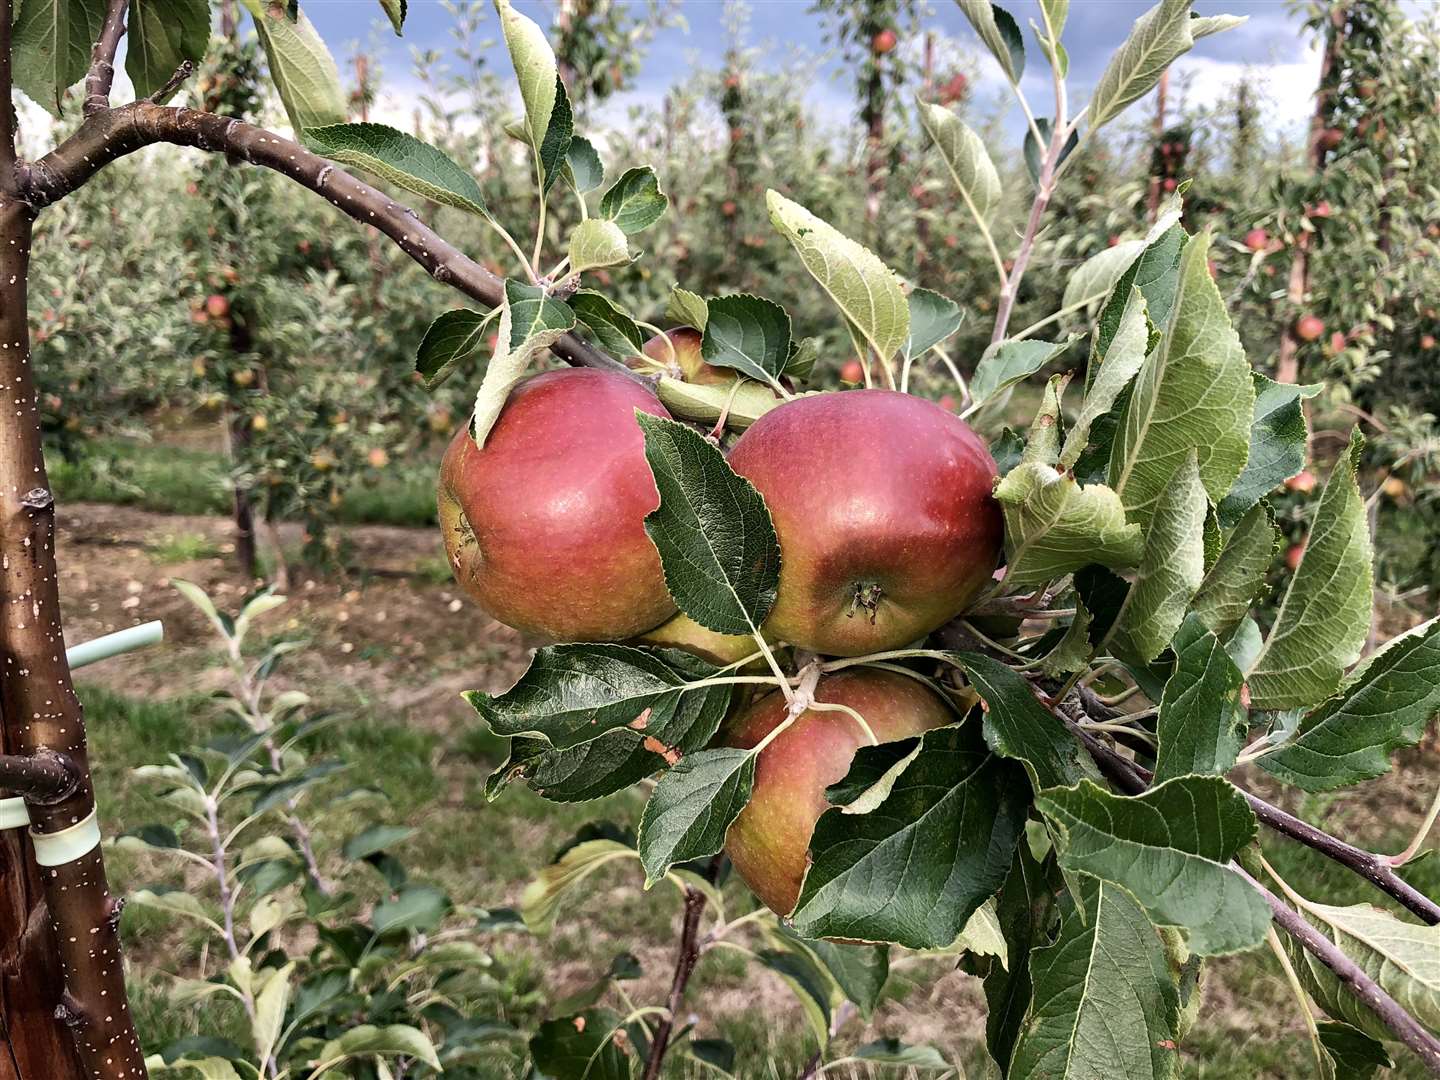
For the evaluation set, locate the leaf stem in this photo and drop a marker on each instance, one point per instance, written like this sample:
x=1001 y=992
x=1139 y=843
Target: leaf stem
x=1413 y=848
x=835 y=706
x=1066 y=310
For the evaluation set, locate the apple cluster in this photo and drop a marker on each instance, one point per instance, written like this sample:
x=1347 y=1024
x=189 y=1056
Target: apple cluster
x=882 y=505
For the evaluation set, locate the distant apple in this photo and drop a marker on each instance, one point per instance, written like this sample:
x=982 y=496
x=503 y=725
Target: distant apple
x=1257 y=239
x=1309 y=327
x=883 y=42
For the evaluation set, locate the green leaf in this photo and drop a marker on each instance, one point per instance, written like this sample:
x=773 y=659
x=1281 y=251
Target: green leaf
x=160 y=36
x=1402 y=957
x=535 y=71
x=1278 y=439
x=1109 y=374
x=51 y=42
x=1035 y=152
x=612 y=327
x=1201 y=725
x=1355 y=1054
x=1053 y=526
x=1105 y=1004
x=374 y=840
x=1386 y=705
x=997 y=29
x=453 y=337
x=396 y=10
x=1172 y=567
x=581 y=1047
x=1324 y=619
x=894 y=1052
x=586 y=171
x=687 y=308
x=173 y=902
x=933 y=318
x=1097 y=275
x=865 y=290
x=859 y=971
x=1018 y=726
x=716 y=541
x=1009 y=362
x=747 y=333
x=1023 y=910
x=399 y=159
x=529 y=321
x=914 y=870
x=741 y=405
x=301 y=66
x=596 y=243
x=1156 y=273
x=540 y=902
x=1074 y=649
x=1193 y=392
x=394 y=1040
x=635 y=201
x=965 y=157
x=555 y=147
x=799 y=971
x=272 y=998
x=624 y=755
x=1237 y=578
x=1170 y=848
x=715 y=1054
x=1056 y=11
x=692 y=808
x=415 y=907
x=1159 y=36
x=572 y=694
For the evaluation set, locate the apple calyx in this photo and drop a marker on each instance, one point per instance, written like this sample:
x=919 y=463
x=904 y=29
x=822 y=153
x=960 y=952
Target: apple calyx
x=868 y=595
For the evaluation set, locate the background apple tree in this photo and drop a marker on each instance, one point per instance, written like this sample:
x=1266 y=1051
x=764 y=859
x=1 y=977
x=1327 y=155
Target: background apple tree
x=1066 y=827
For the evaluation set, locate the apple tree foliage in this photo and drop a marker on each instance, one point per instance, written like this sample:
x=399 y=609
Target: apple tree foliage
x=1077 y=838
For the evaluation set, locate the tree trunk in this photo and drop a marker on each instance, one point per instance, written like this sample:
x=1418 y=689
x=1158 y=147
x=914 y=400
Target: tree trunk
x=1161 y=91
x=68 y=982
x=874 y=116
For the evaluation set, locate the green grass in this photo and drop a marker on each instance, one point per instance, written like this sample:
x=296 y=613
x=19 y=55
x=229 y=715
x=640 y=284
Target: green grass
x=182 y=547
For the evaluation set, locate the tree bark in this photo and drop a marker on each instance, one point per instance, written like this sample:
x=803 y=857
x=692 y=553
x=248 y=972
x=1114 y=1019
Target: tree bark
x=78 y=952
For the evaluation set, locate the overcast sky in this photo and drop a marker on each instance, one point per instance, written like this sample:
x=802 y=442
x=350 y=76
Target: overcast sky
x=1272 y=44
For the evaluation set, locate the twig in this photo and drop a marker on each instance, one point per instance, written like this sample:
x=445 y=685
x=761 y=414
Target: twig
x=1406 y=1028
x=183 y=72
x=101 y=76
x=685 y=959
x=113 y=133
x=1373 y=868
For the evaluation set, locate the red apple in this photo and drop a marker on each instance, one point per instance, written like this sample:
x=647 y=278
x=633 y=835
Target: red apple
x=954 y=90
x=1427 y=341
x=883 y=42
x=1257 y=239
x=728 y=208
x=683 y=351
x=1303 y=482
x=882 y=504
x=544 y=527
x=1330 y=138
x=852 y=372
x=1309 y=327
x=217 y=306
x=1322 y=209
x=770 y=840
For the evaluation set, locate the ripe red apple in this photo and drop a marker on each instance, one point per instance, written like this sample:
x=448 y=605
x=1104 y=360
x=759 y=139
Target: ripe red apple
x=544 y=527
x=852 y=372
x=954 y=90
x=1330 y=138
x=1257 y=239
x=728 y=208
x=217 y=306
x=1427 y=341
x=770 y=840
x=882 y=504
x=883 y=42
x=685 y=341
x=1303 y=482
x=1170 y=183
x=1321 y=209
x=1309 y=327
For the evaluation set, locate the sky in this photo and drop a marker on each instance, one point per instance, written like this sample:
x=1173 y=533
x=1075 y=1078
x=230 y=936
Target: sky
x=1272 y=45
